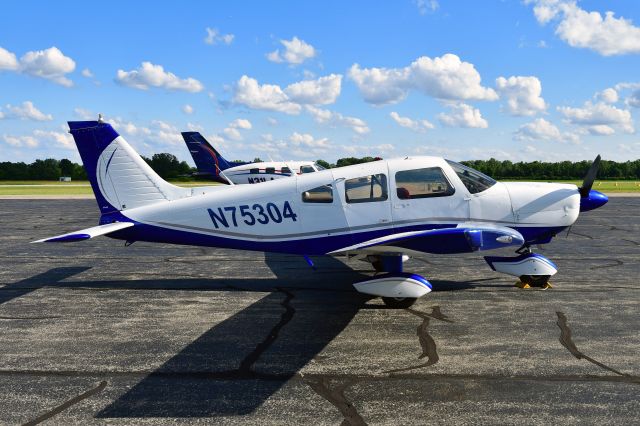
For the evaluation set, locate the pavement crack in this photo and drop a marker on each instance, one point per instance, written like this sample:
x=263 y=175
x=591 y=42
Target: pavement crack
x=615 y=263
x=246 y=365
x=67 y=404
x=335 y=395
x=631 y=241
x=581 y=234
x=567 y=342
x=427 y=343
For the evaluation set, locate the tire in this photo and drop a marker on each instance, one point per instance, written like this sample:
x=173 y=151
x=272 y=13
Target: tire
x=535 y=280
x=399 y=302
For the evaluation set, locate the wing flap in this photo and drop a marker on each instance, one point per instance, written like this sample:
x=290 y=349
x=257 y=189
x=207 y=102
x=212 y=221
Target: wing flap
x=461 y=239
x=85 y=234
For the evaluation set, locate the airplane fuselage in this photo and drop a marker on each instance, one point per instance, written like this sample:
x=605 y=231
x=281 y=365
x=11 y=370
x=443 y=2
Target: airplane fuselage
x=267 y=171
x=317 y=213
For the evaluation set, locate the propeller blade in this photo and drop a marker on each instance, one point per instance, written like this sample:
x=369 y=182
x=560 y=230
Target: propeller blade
x=587 y=183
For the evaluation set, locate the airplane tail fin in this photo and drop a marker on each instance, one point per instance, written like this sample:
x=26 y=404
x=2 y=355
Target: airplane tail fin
x=208 y=160
x=120 y=178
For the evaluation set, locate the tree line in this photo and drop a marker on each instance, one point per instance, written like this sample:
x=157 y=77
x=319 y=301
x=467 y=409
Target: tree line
x=169 y=167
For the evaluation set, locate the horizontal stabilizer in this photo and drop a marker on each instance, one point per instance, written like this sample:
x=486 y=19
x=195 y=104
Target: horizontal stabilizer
x=462 y=239
x=85 y=234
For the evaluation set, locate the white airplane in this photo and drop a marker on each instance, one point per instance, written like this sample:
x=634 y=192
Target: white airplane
x=381 y=212
x=210 y=163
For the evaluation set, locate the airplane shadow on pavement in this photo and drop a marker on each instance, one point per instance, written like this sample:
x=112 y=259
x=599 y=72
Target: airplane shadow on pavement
x=266 y=343
x=269 y=342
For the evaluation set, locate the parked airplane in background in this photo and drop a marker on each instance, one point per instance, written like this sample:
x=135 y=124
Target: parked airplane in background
x=210 y=163
x=380 y=212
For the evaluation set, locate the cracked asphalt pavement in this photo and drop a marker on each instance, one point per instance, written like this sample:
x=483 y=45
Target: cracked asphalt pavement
x=99 y=333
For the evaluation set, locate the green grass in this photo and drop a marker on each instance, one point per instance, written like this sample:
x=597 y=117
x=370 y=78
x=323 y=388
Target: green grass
x=46 y=187
x=605 y=186
x=39 y=187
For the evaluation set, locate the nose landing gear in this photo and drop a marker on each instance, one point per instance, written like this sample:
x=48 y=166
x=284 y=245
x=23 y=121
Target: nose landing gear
x=534 y=270
x=528 y=281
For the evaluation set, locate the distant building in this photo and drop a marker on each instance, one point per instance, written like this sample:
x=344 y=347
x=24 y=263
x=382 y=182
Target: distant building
x=65 y=179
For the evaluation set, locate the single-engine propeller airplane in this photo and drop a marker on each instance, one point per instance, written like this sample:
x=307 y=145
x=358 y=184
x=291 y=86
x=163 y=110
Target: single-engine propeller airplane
x=381 y=211
x=210 y=163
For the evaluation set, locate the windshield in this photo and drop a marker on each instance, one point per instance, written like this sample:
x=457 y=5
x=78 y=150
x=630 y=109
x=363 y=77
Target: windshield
x=472 y=179
x=318 y=167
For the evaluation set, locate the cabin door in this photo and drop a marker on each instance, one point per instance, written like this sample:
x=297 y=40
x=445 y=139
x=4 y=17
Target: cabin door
x=364 y=194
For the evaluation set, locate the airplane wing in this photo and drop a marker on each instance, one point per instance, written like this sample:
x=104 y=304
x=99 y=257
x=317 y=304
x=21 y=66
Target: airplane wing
x=462 y=239
x=85 y=234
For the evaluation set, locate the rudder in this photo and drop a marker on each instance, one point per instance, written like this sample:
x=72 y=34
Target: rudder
x=119 y=177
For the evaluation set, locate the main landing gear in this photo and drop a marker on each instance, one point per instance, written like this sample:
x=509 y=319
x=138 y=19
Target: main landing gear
x=398 y=289
x=534 y=270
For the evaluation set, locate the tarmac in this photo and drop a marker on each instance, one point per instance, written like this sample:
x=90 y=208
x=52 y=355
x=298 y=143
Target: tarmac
x=99 y=333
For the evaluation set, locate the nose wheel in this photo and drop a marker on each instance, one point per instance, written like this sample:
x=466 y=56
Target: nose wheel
x=534 y=270
x=399 y=302
x=540 y=281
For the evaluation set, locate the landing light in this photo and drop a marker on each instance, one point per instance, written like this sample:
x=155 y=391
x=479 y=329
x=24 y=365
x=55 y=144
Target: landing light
x=505 y=239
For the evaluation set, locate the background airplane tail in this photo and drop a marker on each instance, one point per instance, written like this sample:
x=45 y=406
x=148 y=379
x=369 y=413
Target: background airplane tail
x=207 y=159
x=120 y=178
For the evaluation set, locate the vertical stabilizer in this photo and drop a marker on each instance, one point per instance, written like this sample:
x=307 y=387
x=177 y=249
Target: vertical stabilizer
x=208 y=160
x=120 y=178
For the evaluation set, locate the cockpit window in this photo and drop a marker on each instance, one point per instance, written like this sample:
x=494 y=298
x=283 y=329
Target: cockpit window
x=318 y=167
x=474 y=180
x=306 y=169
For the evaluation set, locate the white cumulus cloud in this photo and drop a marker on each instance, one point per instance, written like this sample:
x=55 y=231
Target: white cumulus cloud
x=87 y=73
x=308 y=141
x=20 y=141
x=609 y=96
x=26 y=111
x=214 y=37
x=232 y=131
x=425 y=6
x=322 y=91
x=84 y=114
x=543 y=130
x=187 y=109
x=415 y=125
x=150 y=75
x=445 y=77
x=599 y=114
x=295 y=52
x=62 y=139
x=331 y=118
x=8 y=60
x=601 y=130
x=270 y=97
x=463 y=115
x=50 y=64
x=522 y=94
x=606 y=34
x=634 y=99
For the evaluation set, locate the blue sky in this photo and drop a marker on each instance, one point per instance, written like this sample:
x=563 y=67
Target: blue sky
x=519 y=80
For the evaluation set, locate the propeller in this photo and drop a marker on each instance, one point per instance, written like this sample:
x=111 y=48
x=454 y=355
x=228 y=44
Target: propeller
x=587 y=183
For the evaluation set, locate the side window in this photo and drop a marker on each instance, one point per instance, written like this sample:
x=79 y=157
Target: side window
x=422 y=183
x=306 y=169
x=366 y=189
x=254 y=171
x=320 y=194
x=285 y=171
x=270 y=170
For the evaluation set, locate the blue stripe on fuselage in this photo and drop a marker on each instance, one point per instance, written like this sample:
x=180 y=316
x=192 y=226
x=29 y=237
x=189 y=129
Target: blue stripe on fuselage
x=309 y=246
